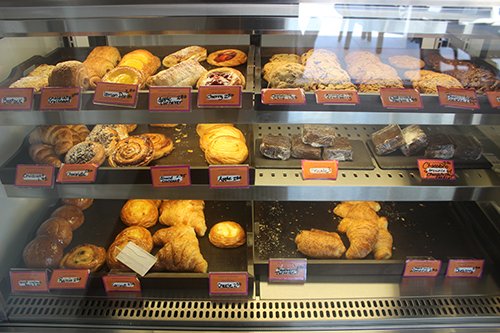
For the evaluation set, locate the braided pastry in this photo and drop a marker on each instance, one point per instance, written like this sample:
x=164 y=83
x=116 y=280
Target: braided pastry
x=135 y=150
x=86 y=152
x=43 y=153
x=162 y=145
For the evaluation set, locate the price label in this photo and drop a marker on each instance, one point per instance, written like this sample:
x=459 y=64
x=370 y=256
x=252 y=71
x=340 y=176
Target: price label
x=319 y=169
x=220 y=96
x=77 y=173
x=458 y=98
x=225 y=176
x=136 y=258
x=332 y=97
x=289 y=96
x=60 y=98
x=398 y=98
x=34 y=175
x=170 y=99
x=494 y=99
x=422 y=268
x=465 y=268
x=69 y=279
x=287 y=270
x=28 y=281
x=228 y=283
x=436 y=169
x=171 y=176
x=16 y=99
x=116 y=94
x=121 y=283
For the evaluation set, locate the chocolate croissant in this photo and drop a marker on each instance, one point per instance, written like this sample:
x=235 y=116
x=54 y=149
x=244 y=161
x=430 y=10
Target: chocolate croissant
x=61 y=137
x=45 y=154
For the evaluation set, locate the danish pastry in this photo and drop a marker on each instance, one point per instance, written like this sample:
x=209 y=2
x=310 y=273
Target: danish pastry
x=82 y=203
x=142 y=60
x=85 y=256
x=126 y=75
x=196 y=53
x=109 y=53
x=72 y=214
x=216 y=132
x=162 y=144
x=139 y=212
x=101 y=60
x=227 y=58
x=185 y=74
x=135 y=150
x=223 y=76
x=58 y=229
x=86 y=152
x=226 y=150
x=43 y=252
x=227 y=234
x=137 y=233
x=69 y=74
x=201 y=129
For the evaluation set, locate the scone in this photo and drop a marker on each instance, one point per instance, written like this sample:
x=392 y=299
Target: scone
x=227 y=234
x=139 y=212
x=226 y=150
x=288 y=75
x=85 y=256
x=227 y=58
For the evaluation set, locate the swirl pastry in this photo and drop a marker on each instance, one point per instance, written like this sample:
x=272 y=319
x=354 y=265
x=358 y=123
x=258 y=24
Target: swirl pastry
x=196 y=53
x=139 y=212
x=69 y=74
x=57 y=228
x=82 y=203
x=135 y=150
x=131 y=127
x=72 y=214
x=126 y=75
x=162 y=144
x=85 y=256
x=226 y=150
x=201 y=129
x=43 y=252
x=106 y=136
x=218 y=132
x=86 y=152
x=227 y=234
x=224 y=76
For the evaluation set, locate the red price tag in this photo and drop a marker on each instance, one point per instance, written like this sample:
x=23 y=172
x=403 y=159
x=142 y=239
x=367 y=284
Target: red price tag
x=77 y=173
x=398 y=98
x=28 y=281
x=171 y=176
x=458 y=98
x=219 y=96
x=437 y=169
x=289 y=96
x=228 y=283
x=465 y=268
x=224 y=176
x=116 y=94
x=332 y=97
x=53 y=98
x=422 y=268
x=16 y=99
x=69 y=279
x=121 y=283
x=170 y=99
x=35 y=175
x=319 y=169
x=494 y=99
x=287 y=270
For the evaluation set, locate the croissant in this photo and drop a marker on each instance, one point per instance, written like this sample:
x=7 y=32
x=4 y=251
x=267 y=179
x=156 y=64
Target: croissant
x=181 y=251
x=97 y=67
x=184 y=212
x=343 y=208
x=69 y=74
x=61 y=137
x=383 y=247
x=109 y=53
x=43 y=153
x=81 y=131
x=320 y=244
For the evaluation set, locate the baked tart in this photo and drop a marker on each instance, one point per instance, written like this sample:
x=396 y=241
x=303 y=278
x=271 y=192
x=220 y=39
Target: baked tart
x=125 y=75
x=224 y=76
x=227 y=58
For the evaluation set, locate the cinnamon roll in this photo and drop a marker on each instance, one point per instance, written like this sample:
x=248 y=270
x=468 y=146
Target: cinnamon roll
x=162 y=144
x=135 y=150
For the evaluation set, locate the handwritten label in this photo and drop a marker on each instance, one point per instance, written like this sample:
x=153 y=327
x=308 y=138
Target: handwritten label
x=28 y=281
x=494 y=99
x=290 y=96
x=465 y=268
x=60 y=98
x=436 y=169
x=332 y=97
x=77 y=173
x=136 y=258
x=319 y=169
x=116 y=94
x=170 y=99
x=397 y=98
x=458 y=98
x=228 y=283
x=69 y=279
x=16 y=99
x=422 y=268
x=34 y=175
x=171 y=176
x=220 y=96
x=225 y=176
x=121 y=283
x=287 y=270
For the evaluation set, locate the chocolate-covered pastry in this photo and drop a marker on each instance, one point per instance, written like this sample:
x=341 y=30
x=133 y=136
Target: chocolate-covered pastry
x=340 y=151
x=387 y=139
x=57 y=228
x=277 y=147
x=318 y=135
x=466 y=147
x=43 y=252
x=301 y=150
x=440 y=146
x=415 y=140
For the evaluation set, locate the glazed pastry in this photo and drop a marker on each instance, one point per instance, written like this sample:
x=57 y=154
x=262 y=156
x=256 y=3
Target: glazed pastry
x=60 y=137
x=135 y=150
x=184 y=212
x=72 y=214
x=316 y=243
x=82 y=203
x=81 y=131
x=142 y=60
x=106 y=136
x=195 y=53
x=318 y=135
x=43 y=252
x=43 y=70
x=35 y=82
x=126 y=75
x=58 y=229
x=185 y=74
x=406 y=62
x=45 y=154
x=86 y=152
x=219 y=131
x=227 y=58
x=224 y=76
x=387 y=139
x=69 y=74
x=341 y=150
x=226 y=150
x=201 y=129
x=276 y=147
x=227 y=234
x=162 y=145
x=137 y=233
x=139 y=212
x=85 y=256
x=117 y=246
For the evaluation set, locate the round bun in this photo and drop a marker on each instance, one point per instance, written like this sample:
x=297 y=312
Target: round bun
x=43 y=252
x=140 y=234
x=72 y=214
x=227 y=234
x=139 y=212
x=82 y=203
x=58 y=229
x=86 y=152
x=85 y=256
x=227 y=58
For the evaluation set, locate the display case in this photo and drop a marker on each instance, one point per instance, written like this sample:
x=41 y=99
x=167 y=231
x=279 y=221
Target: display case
x=283 y=117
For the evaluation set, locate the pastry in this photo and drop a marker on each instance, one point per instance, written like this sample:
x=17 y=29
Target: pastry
x=69 y=74
x=106 y=136
x=43 y=70
x=101 y=60
x=163 y=125
x=479 y=79
x=427 y=81
x=60 y=137
x=81 y=131
x=131 y=127
x=341 y=150
x=57 y=228
x=223 y=76
x=288 y=75
x=195 y=53
x=117 y=246
x=85 y=256
x=276 y=147
x=138 y=233
x=125 y=75
x=142 y=60
x=162 y=144
x=139 y=212
x=415 y=140
x=406 y=62
x=184 y=212
x=303 y=151
x=345 y=207
x=227 y=58
x=382 y=249
x=82 y=203
x=316 y=243
x=318 y=135
x=185 y=74
x=284 y=57
x=440 y=146
x=109 y=53
x=86 y=152
x=44 y=154
x=135 y=150
x=43 y=252
x=157 y=203
x=227 y=234
x=226 y=150
x=217 y=132
x=35 y=82
x=121 y=129
x=201 y=129
x=387 y=139
x=319 y=56
x=72 y=214
x=466 y=147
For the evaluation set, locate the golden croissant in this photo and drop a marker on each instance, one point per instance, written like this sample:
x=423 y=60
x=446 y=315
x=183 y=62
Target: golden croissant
x=184 y=212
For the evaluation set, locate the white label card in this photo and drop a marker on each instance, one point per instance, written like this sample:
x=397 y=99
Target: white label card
x=136 y=258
